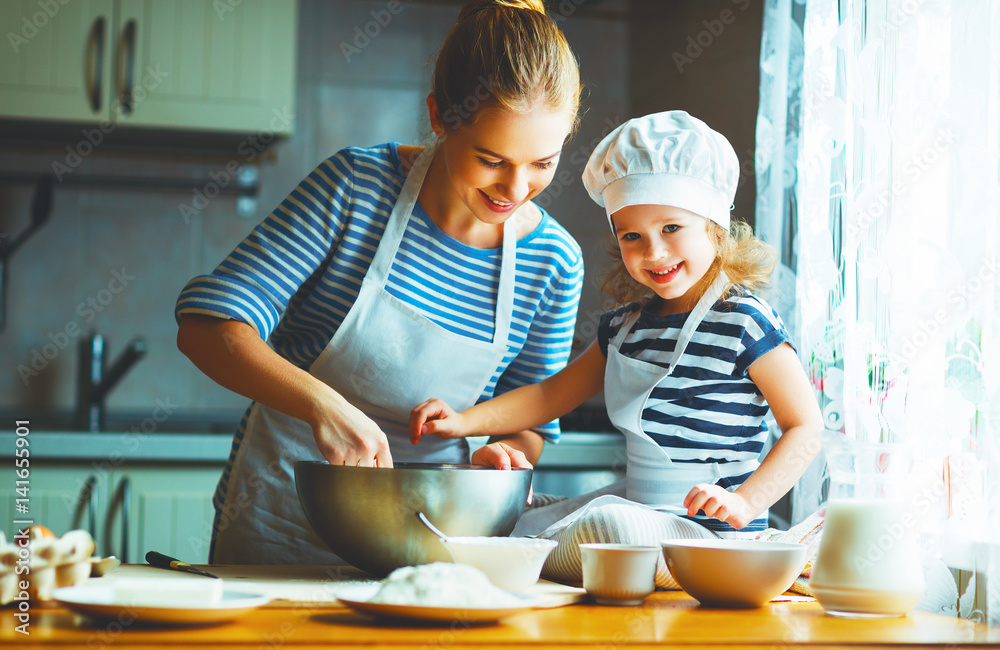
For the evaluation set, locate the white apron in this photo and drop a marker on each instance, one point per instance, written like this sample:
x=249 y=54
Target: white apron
x=651 y=477
x=385 y=358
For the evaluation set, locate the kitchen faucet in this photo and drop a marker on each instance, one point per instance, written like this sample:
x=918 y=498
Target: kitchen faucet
x=96 y=381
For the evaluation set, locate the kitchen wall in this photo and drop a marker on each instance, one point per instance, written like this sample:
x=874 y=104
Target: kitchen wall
x=114 y=260
x=702 y=57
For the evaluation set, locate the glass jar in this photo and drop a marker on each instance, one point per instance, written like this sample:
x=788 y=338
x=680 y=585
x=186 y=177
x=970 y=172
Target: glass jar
x=868 y=564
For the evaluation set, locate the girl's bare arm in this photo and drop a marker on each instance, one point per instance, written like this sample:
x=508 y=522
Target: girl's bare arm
x=781 y=379
x=517 y=410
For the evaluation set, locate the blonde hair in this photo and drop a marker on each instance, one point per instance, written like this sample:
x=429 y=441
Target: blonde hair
x=504 y=53
x=747 y=261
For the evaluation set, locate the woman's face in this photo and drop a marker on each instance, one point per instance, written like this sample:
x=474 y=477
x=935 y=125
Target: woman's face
x=503 y=159
x=667 y=249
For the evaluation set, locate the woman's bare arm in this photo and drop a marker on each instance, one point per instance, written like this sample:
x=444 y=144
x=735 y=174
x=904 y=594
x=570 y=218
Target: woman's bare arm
x=232 y=354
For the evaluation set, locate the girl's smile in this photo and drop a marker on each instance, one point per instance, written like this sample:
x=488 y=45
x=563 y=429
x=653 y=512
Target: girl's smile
x=666 y=249
x=665 y=275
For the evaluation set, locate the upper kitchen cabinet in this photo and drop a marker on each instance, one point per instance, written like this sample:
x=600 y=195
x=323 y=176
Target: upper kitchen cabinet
x=219 y=66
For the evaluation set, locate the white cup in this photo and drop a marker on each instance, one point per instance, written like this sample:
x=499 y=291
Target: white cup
x=619 y=574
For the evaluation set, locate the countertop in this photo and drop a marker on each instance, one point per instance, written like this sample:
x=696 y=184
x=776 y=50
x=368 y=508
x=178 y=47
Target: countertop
x=665 y=618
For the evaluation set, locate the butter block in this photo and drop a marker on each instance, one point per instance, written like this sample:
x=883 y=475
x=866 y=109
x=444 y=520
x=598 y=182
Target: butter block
x=186 y=593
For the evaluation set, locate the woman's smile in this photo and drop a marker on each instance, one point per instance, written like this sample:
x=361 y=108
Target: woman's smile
x=498 y=205
x=487 y=170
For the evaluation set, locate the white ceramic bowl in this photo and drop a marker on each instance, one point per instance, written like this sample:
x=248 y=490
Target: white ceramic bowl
x=733 y=572
x=512 y=563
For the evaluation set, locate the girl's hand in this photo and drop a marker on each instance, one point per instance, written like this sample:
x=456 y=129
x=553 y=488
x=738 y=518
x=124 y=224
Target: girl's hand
x=502 y=456
x=436 y=418
x=346 y=436
x=720 y=503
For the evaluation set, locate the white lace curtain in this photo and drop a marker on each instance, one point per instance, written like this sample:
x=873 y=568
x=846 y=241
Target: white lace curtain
x=878 y=171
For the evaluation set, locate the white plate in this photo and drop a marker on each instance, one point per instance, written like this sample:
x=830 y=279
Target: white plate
x=99 y=601
x=358 y=597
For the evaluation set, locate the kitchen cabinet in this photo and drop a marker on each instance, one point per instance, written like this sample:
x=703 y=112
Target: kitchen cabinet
x=129 y=507
x=165 y=507
x=61 y=496
x=222 y=66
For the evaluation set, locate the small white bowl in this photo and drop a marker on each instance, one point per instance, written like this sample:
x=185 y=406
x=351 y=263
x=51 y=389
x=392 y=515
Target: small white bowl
x=511 y=563
x=619 y=574
x=733 y=572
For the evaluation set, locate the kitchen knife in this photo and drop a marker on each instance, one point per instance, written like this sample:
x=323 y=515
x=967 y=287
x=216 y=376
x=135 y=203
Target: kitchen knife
x=166 y=562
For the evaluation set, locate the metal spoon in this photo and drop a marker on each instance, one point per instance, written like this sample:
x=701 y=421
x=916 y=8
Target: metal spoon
x=434 y=529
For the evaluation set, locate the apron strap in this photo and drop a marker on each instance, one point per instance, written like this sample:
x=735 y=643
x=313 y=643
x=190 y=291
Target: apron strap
x=691 y=323
x=385 y=253
x=695 y=318
x=395 y=228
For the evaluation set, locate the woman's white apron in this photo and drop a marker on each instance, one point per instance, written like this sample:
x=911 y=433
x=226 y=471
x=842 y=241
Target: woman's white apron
x=385 y=358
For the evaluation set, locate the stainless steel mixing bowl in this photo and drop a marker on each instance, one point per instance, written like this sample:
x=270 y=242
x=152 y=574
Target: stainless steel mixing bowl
x=368 y=516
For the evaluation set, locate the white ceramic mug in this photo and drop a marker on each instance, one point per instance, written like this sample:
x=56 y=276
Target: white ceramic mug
x=619 y=574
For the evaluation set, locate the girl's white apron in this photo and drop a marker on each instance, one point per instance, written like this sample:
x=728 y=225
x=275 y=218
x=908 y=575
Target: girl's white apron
x=385 y=358
x=651 y=477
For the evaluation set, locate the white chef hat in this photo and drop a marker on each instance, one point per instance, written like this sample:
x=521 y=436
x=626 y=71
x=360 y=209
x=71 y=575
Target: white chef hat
x=667 y=158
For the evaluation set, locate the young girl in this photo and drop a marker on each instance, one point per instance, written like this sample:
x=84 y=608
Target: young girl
x=689 y=365
x=393 y=273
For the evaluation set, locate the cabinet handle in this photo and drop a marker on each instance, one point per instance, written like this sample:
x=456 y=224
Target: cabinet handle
x=93 y=69
x=87 y=499
x=126 y=67
x=126 y=488
x=122 y=497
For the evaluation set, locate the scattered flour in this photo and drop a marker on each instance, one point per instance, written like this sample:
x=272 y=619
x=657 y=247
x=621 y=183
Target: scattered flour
x=443 y=584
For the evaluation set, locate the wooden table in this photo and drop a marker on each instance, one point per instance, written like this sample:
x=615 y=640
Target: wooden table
x=665 y=619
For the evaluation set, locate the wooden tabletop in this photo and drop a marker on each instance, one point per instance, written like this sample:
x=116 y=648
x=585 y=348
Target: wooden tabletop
x=665 y=618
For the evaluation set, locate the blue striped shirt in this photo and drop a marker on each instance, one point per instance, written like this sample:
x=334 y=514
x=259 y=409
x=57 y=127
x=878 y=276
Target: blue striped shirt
x=708 y=410
x=296 y=275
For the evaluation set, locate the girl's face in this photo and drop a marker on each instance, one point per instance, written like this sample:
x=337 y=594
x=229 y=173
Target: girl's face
x=500 y=161
x=667 y=249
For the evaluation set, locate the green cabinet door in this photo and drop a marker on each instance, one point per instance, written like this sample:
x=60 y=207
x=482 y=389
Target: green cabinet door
x=162 y=507
x=56 y=63
x=62 y=496
x=197 y=65
x=215 y=66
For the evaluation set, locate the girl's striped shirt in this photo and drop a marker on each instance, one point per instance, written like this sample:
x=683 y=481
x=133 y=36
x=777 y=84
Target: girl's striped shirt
x=707 y=410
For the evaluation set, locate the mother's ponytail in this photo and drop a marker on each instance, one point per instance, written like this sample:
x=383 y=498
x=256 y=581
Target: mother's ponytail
x=507 y=54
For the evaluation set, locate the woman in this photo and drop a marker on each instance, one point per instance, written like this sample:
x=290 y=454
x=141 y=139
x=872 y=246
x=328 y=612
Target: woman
x=394 y=273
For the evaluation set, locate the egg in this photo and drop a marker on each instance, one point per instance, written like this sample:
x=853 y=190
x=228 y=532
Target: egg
x=38 y=531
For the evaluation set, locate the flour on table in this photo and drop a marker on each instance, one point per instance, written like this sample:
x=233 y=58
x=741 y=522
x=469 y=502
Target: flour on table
x=443 y=584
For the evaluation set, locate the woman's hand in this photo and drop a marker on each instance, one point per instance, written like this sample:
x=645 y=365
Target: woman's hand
x=233 y=354
x=715 y=501
x=346 y=436
x=436 y=418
